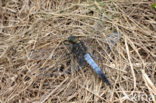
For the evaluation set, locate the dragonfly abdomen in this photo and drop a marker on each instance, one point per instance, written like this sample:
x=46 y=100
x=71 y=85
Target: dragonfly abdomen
x=95 y=67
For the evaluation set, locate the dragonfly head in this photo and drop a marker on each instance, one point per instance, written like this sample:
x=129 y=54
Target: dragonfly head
x=72 y=39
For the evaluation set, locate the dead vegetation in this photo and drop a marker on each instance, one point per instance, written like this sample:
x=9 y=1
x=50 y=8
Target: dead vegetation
x=33 y=52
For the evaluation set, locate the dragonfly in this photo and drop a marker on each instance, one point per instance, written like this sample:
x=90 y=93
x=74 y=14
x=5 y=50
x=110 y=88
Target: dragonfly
x=80 y=51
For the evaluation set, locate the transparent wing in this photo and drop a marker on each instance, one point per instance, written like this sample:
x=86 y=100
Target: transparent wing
x=95 y=67
x=81 y=61
x=112 y=39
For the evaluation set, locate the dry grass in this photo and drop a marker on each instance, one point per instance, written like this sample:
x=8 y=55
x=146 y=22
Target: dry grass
x=32 y=49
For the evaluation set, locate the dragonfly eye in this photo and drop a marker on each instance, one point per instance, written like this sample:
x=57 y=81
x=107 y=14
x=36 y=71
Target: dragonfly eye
x=72 y=39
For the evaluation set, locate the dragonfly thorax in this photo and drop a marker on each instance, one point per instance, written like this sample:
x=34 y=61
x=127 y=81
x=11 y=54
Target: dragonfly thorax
x=79 y=48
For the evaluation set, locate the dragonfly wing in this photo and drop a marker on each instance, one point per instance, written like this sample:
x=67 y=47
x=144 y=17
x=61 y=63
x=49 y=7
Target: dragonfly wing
x=95 y=67
x=81 y=61
x=112 y=39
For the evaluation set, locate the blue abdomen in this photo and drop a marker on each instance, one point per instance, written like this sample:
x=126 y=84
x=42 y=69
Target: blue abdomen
x=95 y=67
